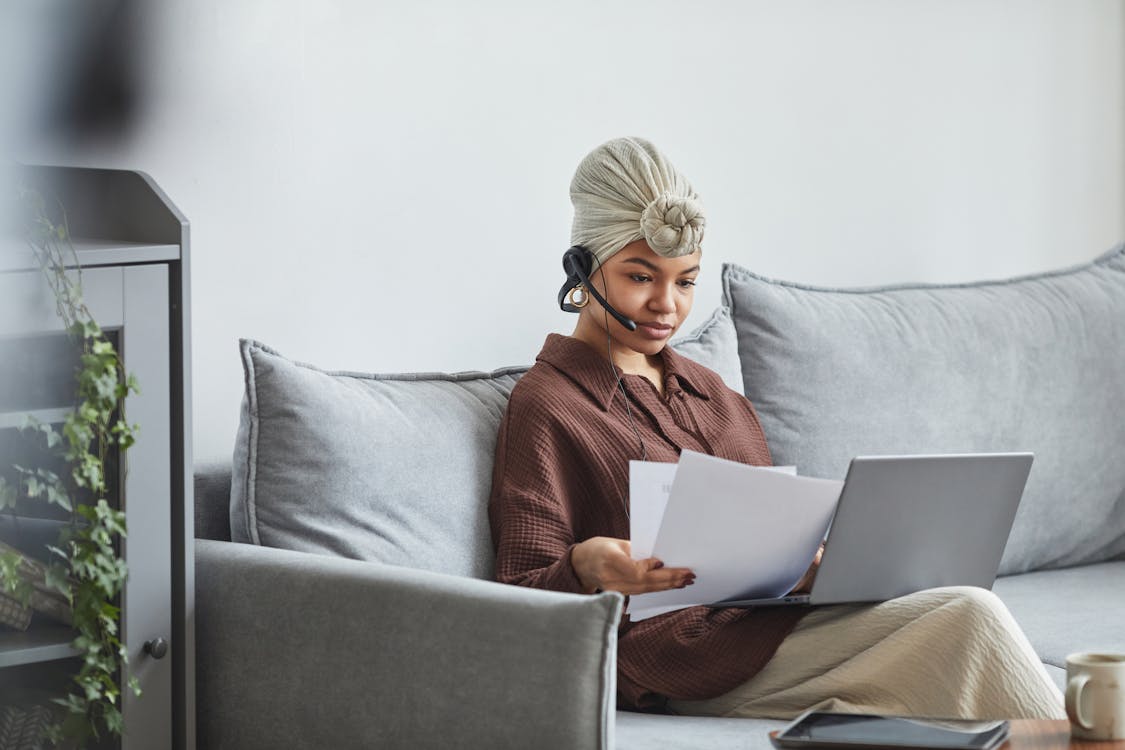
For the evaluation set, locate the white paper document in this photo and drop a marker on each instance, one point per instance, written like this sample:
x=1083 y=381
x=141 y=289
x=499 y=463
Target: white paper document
x=649 y=486
x=747 y=532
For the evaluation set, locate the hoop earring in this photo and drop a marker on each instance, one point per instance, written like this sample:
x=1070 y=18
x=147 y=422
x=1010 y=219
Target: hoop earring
x=578 y=297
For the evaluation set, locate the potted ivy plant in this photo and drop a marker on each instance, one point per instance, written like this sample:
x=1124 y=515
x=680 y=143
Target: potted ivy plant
x=85 y=566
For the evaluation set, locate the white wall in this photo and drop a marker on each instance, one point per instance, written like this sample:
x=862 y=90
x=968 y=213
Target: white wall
x=383 y=185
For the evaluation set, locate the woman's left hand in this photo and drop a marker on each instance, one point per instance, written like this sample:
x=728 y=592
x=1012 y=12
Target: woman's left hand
x=605 y=563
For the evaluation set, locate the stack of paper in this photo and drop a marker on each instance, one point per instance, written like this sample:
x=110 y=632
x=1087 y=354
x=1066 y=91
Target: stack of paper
x=747 y=532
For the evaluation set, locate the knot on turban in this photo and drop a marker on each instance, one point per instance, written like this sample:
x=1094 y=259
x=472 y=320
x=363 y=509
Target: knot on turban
x=673 y=225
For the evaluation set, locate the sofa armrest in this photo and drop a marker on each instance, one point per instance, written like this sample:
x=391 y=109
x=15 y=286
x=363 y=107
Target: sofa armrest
x=305 y=651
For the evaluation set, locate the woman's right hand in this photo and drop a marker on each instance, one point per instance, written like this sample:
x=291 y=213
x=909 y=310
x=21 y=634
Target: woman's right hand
x=603 y=563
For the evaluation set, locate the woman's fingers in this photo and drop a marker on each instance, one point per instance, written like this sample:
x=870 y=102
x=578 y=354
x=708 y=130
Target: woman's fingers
x=605 y=563
x=653 y=576
x=639 y=581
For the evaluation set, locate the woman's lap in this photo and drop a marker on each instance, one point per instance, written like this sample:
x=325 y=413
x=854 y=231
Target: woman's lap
x=952 y=652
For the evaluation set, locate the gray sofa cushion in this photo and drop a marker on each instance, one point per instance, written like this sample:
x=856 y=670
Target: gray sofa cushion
x=1069 y=610
x=393 y=468
x=1033 y=363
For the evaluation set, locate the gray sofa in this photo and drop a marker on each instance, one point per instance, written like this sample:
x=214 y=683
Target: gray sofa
x=343 y=558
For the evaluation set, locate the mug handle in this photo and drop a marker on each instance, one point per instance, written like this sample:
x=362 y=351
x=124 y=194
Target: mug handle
x=1074 y=688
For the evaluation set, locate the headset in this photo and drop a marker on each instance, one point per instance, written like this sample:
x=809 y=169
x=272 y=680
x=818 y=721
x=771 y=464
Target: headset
x=577 y=263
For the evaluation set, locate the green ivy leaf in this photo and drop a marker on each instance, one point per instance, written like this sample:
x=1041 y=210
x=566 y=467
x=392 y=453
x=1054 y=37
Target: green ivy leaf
x=88 y=329
x=88 y=473
x=57 y=579
x=8 y=495
x=11 y=582
x=33 y=487
x=50 y=435
x=92 y=689
x=57 y=495
x=113 y=720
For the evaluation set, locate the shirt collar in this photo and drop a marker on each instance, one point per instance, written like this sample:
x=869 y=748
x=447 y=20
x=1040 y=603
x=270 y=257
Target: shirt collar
x=592 y=372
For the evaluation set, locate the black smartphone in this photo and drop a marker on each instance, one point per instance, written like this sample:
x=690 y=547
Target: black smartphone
x=820 y=729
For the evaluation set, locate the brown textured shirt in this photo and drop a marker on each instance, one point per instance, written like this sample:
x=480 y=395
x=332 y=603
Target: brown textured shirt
x=562 y=476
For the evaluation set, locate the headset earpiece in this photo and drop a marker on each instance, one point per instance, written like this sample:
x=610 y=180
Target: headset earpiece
x=577 y=264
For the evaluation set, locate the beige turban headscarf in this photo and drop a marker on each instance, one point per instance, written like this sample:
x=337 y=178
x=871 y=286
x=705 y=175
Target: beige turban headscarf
x=626 y=190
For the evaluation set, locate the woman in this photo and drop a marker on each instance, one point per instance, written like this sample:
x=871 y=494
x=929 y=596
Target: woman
x=614 y=391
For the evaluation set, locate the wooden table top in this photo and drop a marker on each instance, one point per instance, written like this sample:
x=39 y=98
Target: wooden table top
x=1051 y=734
x=1048 y=734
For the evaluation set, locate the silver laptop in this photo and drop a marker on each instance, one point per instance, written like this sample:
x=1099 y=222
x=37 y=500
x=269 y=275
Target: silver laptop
x=908 y=523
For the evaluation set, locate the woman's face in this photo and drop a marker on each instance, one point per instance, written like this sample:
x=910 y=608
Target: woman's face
x=654 y=291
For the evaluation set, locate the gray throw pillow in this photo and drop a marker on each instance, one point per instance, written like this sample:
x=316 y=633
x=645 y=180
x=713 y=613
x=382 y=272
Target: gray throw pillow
x=391 y=468
x=1033 y=363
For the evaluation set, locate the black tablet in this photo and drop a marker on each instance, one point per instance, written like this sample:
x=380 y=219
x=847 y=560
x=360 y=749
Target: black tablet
x=818 y=729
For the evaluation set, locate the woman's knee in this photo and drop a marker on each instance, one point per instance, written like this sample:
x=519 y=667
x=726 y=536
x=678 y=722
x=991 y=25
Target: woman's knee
x=976 y=602
x=958 y=598
x=978 y=597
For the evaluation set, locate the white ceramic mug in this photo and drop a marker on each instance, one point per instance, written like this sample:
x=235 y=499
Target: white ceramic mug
x=1095 y=695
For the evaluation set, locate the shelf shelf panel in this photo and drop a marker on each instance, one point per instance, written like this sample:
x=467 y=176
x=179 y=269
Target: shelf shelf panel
x=35 y=645
x=91 y=253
